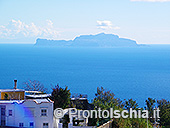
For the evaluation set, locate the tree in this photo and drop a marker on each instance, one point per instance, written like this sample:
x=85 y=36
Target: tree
x=105 y=100
x=164 y=107
x=131 y=104
x=35 y=86
x=61 y=97
x=150 y=105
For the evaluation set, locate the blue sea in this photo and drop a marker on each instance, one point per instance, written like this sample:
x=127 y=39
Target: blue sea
x=136 y=73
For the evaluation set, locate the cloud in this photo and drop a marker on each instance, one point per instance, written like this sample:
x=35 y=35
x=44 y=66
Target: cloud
x=105 y=24
x=152 y=0
x=17 y=29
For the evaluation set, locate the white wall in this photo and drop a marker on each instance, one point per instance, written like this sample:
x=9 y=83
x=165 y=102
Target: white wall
x=20 y=115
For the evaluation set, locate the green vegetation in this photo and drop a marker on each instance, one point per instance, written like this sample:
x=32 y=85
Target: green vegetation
x=105 y=99
x=61 y=97
x=6 y=96
x=164 y=107
x=150 y=105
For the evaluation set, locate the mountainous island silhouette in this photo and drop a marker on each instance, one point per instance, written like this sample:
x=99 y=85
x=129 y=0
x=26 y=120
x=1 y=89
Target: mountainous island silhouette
x=99 y=40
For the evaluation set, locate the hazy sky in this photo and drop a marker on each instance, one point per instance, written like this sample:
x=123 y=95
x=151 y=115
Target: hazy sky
x=23 y=21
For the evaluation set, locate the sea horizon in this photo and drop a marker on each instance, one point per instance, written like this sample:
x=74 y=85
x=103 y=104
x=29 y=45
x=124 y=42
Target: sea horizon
x=129 y=72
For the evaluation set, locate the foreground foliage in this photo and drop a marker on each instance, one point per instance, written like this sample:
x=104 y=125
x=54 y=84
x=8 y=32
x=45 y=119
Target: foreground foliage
x=105 y=99
x=61 y=97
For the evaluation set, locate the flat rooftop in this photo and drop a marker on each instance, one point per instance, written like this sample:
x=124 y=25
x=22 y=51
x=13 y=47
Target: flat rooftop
x=37 y=101
x=11 y=101
x=12 y=90
x=39 y=96
x=78 y=98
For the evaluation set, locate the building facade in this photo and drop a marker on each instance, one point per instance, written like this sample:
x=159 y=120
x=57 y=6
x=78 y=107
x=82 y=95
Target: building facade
x=18 y=111
x=30 y=113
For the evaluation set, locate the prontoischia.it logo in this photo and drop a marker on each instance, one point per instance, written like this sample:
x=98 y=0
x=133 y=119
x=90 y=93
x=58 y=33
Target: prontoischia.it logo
x=111 y=113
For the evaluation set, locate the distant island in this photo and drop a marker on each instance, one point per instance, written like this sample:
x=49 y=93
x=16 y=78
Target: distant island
x=99 y=40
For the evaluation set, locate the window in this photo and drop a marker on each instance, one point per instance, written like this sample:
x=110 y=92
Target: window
x=31 y=124
x=43 y=112
x=21 y=125
x=10 y=112
x=3 y=111
x=45 y=125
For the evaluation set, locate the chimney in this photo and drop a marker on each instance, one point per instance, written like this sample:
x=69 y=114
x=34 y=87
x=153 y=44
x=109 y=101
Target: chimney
x=15 y=84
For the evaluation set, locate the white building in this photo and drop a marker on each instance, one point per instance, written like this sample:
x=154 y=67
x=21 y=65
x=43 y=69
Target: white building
x=20 y=110
x=30 y=113
x=35 y=110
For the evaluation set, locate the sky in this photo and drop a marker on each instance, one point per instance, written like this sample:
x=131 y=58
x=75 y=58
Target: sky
x=23 y=21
